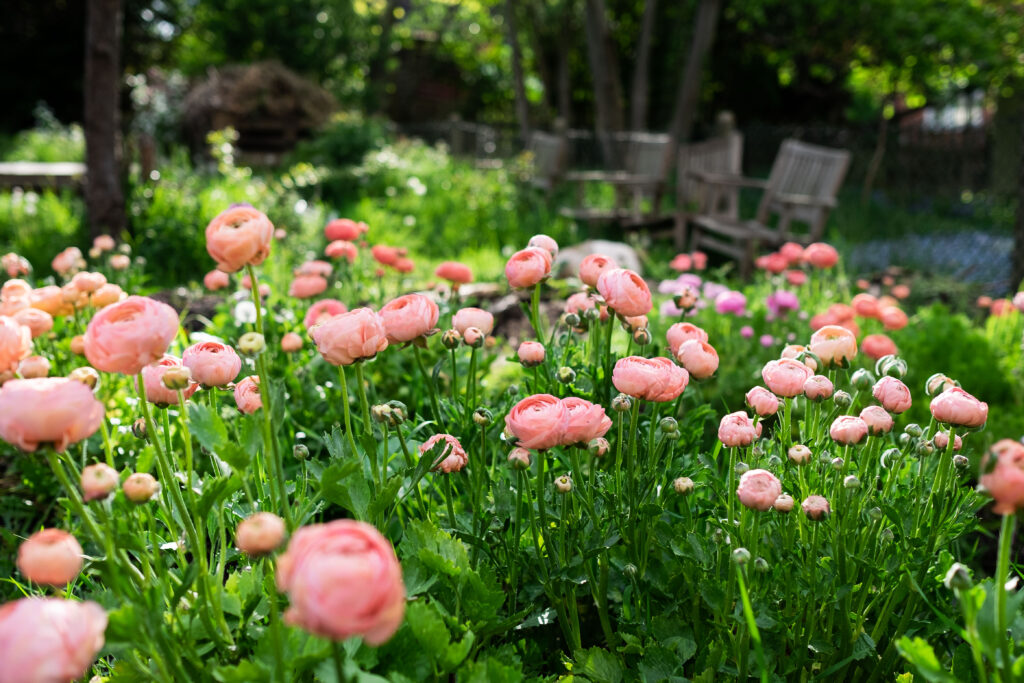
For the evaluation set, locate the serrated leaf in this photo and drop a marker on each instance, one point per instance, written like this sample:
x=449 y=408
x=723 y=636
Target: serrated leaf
x=344 y=484
x=428 y=628
x=922 y=657
x=599 y=665
x=489 y=670
x=207 y=426
x=244 y=672
x=385 y=497
x=250 y=434
x=236 y=456
x=215 y=492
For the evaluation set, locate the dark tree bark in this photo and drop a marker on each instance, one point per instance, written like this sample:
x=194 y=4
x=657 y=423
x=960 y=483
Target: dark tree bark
x=104 y=197
x=1017 y=272
x=376 y=73
x=875 y=165
x=564 y=87
x=689 y=86
x=605 y=74
x=641 y=69
x=522 y=107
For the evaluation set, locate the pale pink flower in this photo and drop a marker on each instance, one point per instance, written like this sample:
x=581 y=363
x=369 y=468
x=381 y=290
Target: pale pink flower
x=681 y=333
x=247 y=395
x=538 y=422
x=307 y=286
x=531 y=353
x=848 y=430
x=129 y=335
x=527 y=267
x=450 y=456
x=699 y=358
x=878 y=419
x=99 y=480
x=650 y=379
x=49 y=640
x=956 y=407
x=592 y=266
x=322 y=311
x=834 y=345
x=409 y=317
x=815 y=507
x=455 y=272
x=473 y=317
x=1005 y=481
x=213 y=364
x=625 y=292
x=53 y=410
x=544 y=242
x=260 y=533
x=818 y=388
x=785 y=377
x=156 y=392
x=350 y=337
x=344 y=229
x=586 y=421
x=738 y=430
x=892 y=394
x=15 y=343
x=216 y=279
x=758 y=489
x=821 y=255
x=51 y=557
x=762 y=401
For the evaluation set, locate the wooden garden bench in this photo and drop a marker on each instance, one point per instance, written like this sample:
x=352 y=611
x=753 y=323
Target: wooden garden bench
x=801 y=188
x=41 y=175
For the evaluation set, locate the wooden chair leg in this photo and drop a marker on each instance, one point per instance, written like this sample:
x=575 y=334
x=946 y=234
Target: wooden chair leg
x=679 y=231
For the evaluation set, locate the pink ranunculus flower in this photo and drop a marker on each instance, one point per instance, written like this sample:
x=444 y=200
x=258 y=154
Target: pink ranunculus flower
x=51 y=557
x=818 y=388
x=343 y=580
x=581 y=302
x=67 y=261
x=322 y=311
x=450 y=456
x=681 y=262
x=11 y=306
x=409 y=317
x=759 y=489
x=834 y=345
x=538 y=422
x=625 y=292
x=104 y=243
x=291 y=342
x=785 y=377
x=247 y=395
x=107 y=295
x=681 y=333
x=314 y=267
x=892 y=394
x=156 y=392
x=54 y=410
x=212 y=363
x=848 y=430
x=34 y=366
x=99 y=480
x=544 y=242
x=762 y=401
x=344 y=229
x=49 y=640
x=307 y=286
x=958 y=408
x=216 y=279
x=15 y=289
x=876 y=346
x=650 y=379
x=1005 y=481
x=342 y=249
x=350 y=337
x=88 y=282
x=120 y=261
x=821 y=255
x=468 y=317
x=531 y=353
x=815 y=507
x=792 y=252
x=455 y=272
x=737 y=430
x=731 y=301
x=941 y=440
x=865 y=305
x=129 y=335
x=14 y=265
x=893 y=318
x=587 y=421
x=527 y=267
x=796 y=278
x=260 y=533
x=699 y=358
x=238 y=237
x=878 y=420
x=592 y=266
x=15 y=343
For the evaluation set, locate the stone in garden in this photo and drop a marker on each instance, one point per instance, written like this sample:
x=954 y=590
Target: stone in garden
x=569 y=258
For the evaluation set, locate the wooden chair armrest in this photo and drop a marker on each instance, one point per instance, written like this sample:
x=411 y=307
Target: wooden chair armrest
x=806 y=200
x=726 y=179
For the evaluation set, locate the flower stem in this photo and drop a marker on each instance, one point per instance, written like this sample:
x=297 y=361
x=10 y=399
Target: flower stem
x=1002 y=574
x=755 y=635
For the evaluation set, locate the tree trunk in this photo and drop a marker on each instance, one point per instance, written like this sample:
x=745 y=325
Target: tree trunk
x=641 y=70
x=876 y=159
x=605 y=74
x=564 y=88
x=104 y=198
x=689 y=86
x=522 y=107
x=1017 y=273
x=377 y=71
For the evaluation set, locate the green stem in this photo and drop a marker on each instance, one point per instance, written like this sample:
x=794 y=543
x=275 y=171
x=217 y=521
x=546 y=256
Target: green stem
x=346 y=411
x=428 y=382
x=755 y=635
x=1002 y=575
x=367 y=427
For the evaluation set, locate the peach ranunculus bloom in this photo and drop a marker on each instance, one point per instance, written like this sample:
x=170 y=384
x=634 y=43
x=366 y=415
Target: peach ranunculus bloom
x=586 y=421
x=87 y=282
x=247 y=395
x=538 y=422
x=1005 y=481
x=15 y=289
x=314 y=267
x=120 y=261
x=409 y=317
x=350 y=337
x=758 y=489
x=592 y=266
x=216 y=279
x=54 y=410
x=473 y=317
x=385 y=255
x=239 y=236
x=291 y=342
x=107 y=295
x=876 y=346
x=762 y=401
x=893 y=318
x=307 y=286
x=342 y=579
x=625 y=292
x=129 y=335
x=344 y=229
x=878 y=420
x=699 y=358
x=865 y=305
x=785 y=377
x=848 y=430
x=892 y=394
x=528 y=267
x=34 y=366
x=455 y=272
x=737 y=430
x=339 y=249
x=213 y=364
x=322 y=311
x=836 y=346
x=818 y=388
x=14 y=265
x=531 y=353
x=156 y=392
x=680 y=333
x=98 y=481
x=104 y=243
x=51 y=557
x=544 y=242
x=15 y=343
x=68 y=261
x=821 y=255
x=650 y=379
x=958 y=408
x=49 y=639
x=260 y=533
x=450 y=456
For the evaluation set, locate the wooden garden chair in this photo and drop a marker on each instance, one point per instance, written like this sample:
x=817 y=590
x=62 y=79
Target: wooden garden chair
x=801 y=188
x=550 y=155
x=721 y=156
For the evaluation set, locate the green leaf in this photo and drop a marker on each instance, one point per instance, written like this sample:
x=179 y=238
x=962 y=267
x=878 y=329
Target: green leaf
x=215 y=492
x=490 y=670
x=207 y=427
x=144 y=463
x=385 y=497
x=244 y=672
x=236 y=456
x=922 y=657
x=599 y=665
x=250 y=434
x=344 y=484
x=434 y=548
x=428 y=628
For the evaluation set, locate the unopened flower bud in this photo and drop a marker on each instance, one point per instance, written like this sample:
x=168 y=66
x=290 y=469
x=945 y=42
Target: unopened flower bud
x=837 y=464
x=875 y=513
x=260 y=534
x=761 y=565
x=398 y=413
x=300 y=451
x=784 y=503
x=816 y=507
x=381 y=412
x=799 y=454
x=450 y=339
x=892 y=366
x=687 y=298
x=719 y=537
x=629 y=570
x=622 y=403
x=960 y=462
x=642 y=336
x=482 y=417
x=473 y=337
x=862 y=379
x=913 y=429
x=938 y=383
x=851 y=482
x=904 y=439
x=519 y=459
x=741 y=468
x=683 y=485
x=177 y=377
x=958 y=578
x=563 y=484
x=774 y=461
x=86 y=375
x=886 y=536
x=98 y=481
x=598 y=447
x=668 y=425
x=513 y=390
x=565 y=375
x=78 y=345
x=139 y=428
x=252 y=344
x=34 y=367
x=925 y=448
x=140 y=487
x=741 y=556
x=571 y=319
x=842 y=399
